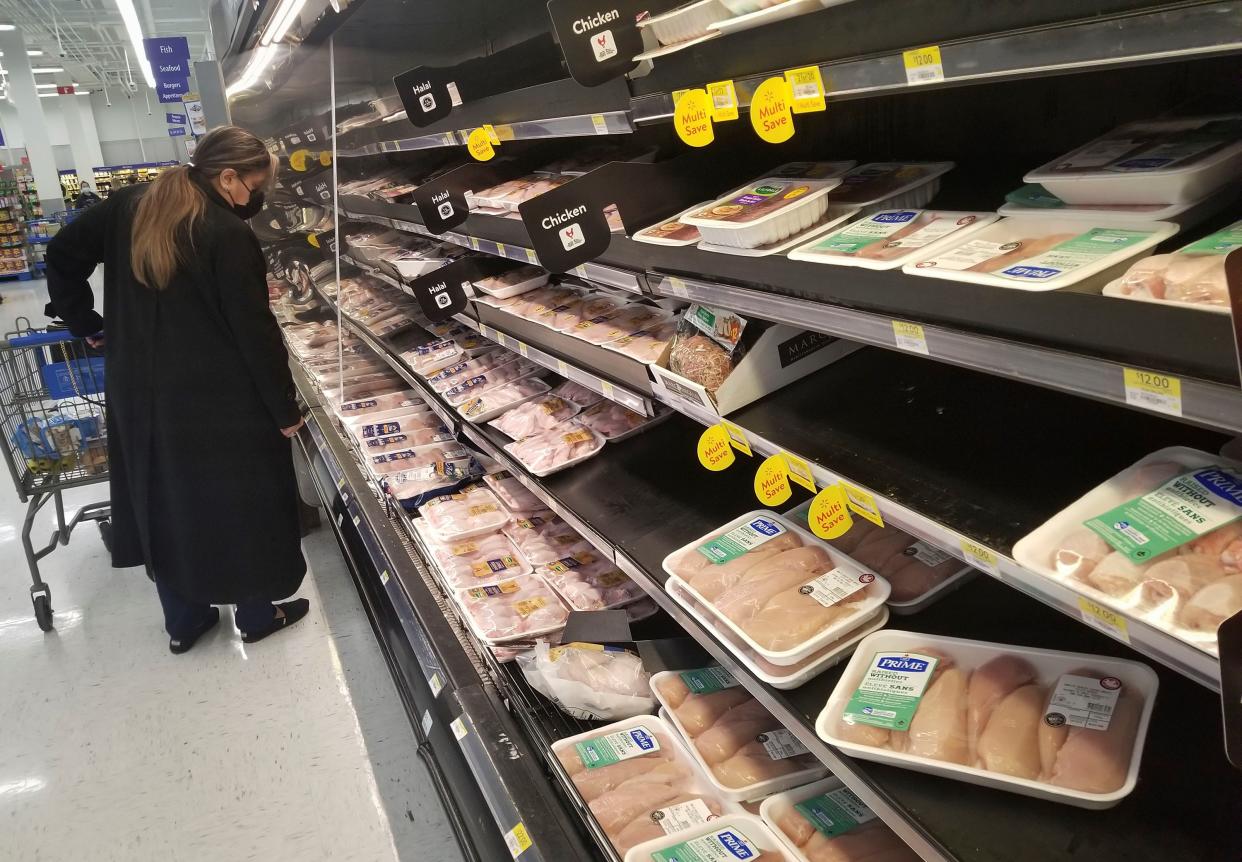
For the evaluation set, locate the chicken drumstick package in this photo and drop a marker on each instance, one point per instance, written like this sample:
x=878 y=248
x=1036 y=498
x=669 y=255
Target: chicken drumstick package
x=1066 y=727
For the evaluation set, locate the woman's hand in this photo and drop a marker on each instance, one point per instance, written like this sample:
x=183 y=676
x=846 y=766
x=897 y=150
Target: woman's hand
x=293 y=429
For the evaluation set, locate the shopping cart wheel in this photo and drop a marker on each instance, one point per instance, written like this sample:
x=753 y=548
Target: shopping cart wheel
x=105 y=533
x=43 y=610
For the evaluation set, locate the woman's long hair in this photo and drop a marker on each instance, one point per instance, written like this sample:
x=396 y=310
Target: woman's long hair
x=172 y=206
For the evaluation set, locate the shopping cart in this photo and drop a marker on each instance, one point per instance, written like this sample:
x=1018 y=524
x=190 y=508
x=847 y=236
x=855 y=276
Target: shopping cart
x=54 y=436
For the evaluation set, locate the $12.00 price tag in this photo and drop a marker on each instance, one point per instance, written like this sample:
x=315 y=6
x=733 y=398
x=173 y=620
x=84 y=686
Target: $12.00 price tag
x=923 y=65
x=1099 y=617
x=980 y=557
x=1158 y=392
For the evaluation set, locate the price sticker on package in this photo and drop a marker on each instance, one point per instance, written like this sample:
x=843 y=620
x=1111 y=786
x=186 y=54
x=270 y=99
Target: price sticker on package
x=715 y=451
x=772 y=482
x=829 y=515
x=923 y=65
x=980 y=557
x=1108 y=621
x=692 y=118
x=862 y=503
x=737 y=437
x=724 y=101
x=807 y=88
x=1158 y=392
x=770 y=113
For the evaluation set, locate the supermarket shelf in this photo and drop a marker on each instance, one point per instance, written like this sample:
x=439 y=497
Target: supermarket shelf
x=1178 y=31
x=590 y=379
x=378 y=273
x=447 y=415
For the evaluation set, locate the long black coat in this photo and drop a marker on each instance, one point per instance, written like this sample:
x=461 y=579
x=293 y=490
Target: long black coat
x=198 y=388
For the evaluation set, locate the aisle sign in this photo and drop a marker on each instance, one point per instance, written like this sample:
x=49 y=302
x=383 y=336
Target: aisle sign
x=175 y=119
x=715 y=451
x=1158 y=392
x=829 y=515
x=862 y=503
x=770 y=114
x=692 y=118
x=425 y=94
x=737 y=437
x=807 y=88
x=772 y=482
x=923 y=65
x=724 y=101
x=480 y=146
x=1099 y=617
x=176 y=131
x=166 y=48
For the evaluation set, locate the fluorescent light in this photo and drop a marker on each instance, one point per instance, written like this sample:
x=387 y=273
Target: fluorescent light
x=7 y=27
x=282 y=19
x=47 y=86
x=30 y=52
x=48 y=95
x=260 y=59
x=130 y=16
x=48 y=70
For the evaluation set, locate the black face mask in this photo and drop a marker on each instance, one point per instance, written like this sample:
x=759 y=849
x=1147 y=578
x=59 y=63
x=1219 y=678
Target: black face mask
x=250 y=208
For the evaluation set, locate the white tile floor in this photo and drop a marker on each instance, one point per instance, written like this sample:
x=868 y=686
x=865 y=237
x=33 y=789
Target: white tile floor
x=296 y=748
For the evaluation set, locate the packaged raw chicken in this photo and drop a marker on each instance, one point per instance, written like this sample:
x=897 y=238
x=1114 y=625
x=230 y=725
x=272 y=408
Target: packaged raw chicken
x=637 y=781
x=781 y=590
x=887 y=185
x=472 y=511
x=613 y=422
x=592 y=306
x=1160 y=541
x=589 y=681
x=434 y=356
x=516 y=609
x=475 y=386
x=466 y=369
x=513 y=282
x=826 y=822
x=411 y=407
x=545 y=413
x=512 y=494
x=545 y=537
x=589 y=582
x=633 y=318
x=412 y=439
x=410 y=460
x=1061 y=726
x=577 y=394
x=646 y=345
x=1193 y=275
x=1043 y=253
x=539 y=300
x=689 y=21
x=482 y=560
x=556 y=450
x=917 y=572
x=745 y=750
x=491 y=403
x=707 y=346
x=1162 y=161
x=409 y=486
x=379 y=403
x=891 y=238
x=784 y=677
x=672 y=232
x=404 y=423
x=733 y=836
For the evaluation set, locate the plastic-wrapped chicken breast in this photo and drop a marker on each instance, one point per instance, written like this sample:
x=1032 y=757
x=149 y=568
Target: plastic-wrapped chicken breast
x=537 y=303
x=592 y=307
x=380 y=403
x=629 y=320
x=564 y=314
x=512 y=610
x=545 y=413
x=808 y=819
x=497 y=400
x=512 y=493
x=434 y=356
x=472 y=511
x=1193 y=275
x=403 y=461
x=589 y=681
x=408 y=485
x=488 y=380
x=485 y=559
x=465 y=369
x=646 y=345
x=577 y=393
x=493 y=197
x=534 y=190
x=400 y=424
x=552 y=451
x=610 y=420
x=408 y=440
x=544 y=537
x=588 y=582
x=412 y=407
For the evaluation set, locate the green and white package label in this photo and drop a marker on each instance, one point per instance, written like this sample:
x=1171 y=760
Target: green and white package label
x=706 y=680
x=926 y=554
x=1083 y=250
x=723 y=327
x=1179 y=511
x=780 y=744
x=741 y=540
x=1221 y=242
x=723 y=845
x=835 y=585
x=1083 y=701
x=969 y=254
x=882 y=225
x=683 y=815
x=891 y=689
x=616 y=747
x=835 y=812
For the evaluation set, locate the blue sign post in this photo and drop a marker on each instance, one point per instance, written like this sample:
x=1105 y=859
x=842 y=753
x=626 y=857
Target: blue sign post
x=170 y=63
x=176 y=131
x=175 y=119
x=167 y=48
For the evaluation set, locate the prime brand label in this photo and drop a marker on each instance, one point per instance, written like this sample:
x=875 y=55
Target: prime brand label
x=890 y=690
x=615 y=747
x=741 y=540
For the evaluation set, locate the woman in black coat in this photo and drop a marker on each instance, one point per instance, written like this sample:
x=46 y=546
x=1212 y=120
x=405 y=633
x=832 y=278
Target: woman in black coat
x=200 y=402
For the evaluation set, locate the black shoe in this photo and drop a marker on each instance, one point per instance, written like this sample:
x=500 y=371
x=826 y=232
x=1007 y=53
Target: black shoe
x=177 y=647
x=294 y=610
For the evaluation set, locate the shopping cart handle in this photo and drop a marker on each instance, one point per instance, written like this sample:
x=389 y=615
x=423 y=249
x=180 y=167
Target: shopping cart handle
x=36 y=339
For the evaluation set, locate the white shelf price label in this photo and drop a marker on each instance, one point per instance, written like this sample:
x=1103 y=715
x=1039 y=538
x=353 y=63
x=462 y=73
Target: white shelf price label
x=459 y=728
x=1151 y=391
x=518 y=840
x=980 y=557
x=910 y=336
x=677 y=288
x=1099 y=617
x=427 y=721
x=437 y=684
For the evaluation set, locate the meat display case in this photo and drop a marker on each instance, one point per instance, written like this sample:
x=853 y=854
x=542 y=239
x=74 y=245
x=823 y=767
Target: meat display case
x=947 y=466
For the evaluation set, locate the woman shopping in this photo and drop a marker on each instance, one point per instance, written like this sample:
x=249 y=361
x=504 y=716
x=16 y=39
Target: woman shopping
x=200 y=402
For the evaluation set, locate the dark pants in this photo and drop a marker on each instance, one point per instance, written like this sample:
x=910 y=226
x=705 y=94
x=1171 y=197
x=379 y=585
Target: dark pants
x=182 y=617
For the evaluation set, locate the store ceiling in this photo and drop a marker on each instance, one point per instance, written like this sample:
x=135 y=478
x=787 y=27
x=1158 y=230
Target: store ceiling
x=93 y=41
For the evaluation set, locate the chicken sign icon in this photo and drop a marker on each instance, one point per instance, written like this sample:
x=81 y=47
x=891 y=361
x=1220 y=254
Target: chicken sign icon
x=603 y=46
x=571 y=236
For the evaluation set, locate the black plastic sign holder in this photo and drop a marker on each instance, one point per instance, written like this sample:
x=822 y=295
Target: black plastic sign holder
x=599 y=38
x=424 y=92
x=442 y=293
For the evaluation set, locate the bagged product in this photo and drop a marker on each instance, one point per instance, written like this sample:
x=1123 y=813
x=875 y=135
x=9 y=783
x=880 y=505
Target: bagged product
x=589 y=681
x=409 y=486
x=707 y=346
x=552 y=451
x=545 y=413
x=514 y=609
x=1193 y=275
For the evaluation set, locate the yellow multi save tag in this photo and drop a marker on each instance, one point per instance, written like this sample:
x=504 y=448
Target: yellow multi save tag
x=715 y=451
x=479 y=144
x=862 y=503
x=807 y=89
x=772 y=482
x=829 y=515
x=724 y=101
x=770 y=113
x=693 y=118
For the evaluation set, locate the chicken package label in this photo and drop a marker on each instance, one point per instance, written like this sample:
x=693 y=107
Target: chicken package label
x=526 y=607
x=1083 y=701
x=485 y=568
x=1082 y=250
x=481 y=509
x=1221 y=242
x=879 y=227
x=741 y=540
x=616 y=747
x=679 y=817
x=780 y=744
x=723 y=845
x=1153 y=145
x=927 y=554
x=1179 y=511
x=463 y=549
x=708 y=680
x=576 y=437
x=836 y=585
x=564 y=564
x=835 y=812
x=891 y=689
x=500 y=589
x=377 y=442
